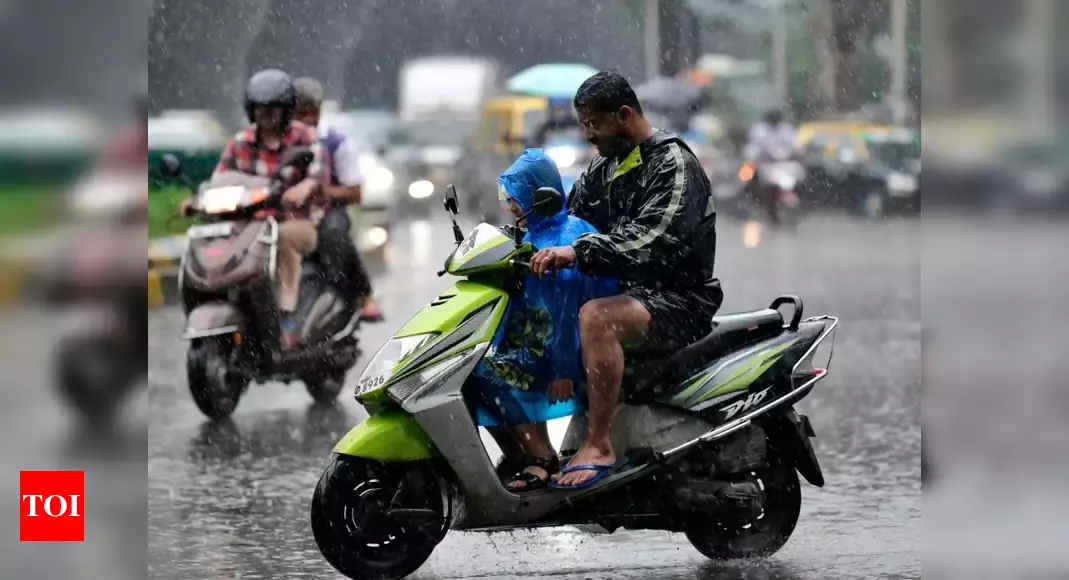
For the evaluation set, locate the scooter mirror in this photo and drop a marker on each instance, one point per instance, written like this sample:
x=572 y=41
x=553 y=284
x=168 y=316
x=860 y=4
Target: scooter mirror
x=170 y=166
x=299 y=157
x=547 y=202
x=452 y=203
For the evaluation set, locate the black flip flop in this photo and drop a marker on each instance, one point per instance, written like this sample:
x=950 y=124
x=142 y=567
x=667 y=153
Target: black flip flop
x=532 y=482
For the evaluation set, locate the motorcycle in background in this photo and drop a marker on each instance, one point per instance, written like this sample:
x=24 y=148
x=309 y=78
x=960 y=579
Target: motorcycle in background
x=778 y=179
x=97 y=281
x=227 y=280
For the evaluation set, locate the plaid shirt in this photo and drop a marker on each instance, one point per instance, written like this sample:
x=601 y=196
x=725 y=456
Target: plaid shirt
x=244 y=153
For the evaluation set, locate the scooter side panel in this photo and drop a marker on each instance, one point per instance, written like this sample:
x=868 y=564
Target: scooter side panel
x=451 y=307
x=657 y=427
x=762 y=371
x=387 y=436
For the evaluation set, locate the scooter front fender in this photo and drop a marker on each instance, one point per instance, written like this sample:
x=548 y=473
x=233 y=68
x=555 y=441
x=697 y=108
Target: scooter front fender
x=389 y=436
x=212 y=319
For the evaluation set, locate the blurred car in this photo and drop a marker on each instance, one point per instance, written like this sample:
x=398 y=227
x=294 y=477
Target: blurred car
x=368 y=127
x=47 y=146
x=1036 y=176
x=888 y=179
x=197 y=138
x=423 y=157
x=499 y=139
x=869 y=170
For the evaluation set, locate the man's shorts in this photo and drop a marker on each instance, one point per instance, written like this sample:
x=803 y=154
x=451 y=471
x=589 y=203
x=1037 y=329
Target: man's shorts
x=677 y=317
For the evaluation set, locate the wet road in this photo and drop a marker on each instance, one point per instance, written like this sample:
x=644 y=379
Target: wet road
x=231 y=501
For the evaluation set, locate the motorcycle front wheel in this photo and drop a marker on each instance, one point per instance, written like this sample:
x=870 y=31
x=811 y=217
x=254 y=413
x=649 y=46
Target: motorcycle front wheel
x=361 y=529
x=215 y=387
x=767 y=533
x=324 y=389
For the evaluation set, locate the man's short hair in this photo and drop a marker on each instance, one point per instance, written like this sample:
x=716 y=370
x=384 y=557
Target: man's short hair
x=309 y=93
x=606 y=92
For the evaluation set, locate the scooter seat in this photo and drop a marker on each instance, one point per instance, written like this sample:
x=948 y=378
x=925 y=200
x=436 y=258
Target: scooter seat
x=730 y=332
x=733 y=331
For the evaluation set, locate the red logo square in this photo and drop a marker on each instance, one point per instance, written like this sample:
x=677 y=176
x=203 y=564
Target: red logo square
x=51 y=506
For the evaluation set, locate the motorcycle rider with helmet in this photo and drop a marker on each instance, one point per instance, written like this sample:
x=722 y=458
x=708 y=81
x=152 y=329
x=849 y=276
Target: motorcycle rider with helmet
x=270 y=100
x=770 y=141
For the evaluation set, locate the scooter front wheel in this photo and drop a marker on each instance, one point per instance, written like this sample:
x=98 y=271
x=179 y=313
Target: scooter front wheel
x=215 y=387
x=359 y=526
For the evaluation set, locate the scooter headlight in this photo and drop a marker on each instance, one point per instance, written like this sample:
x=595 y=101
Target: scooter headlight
x=387 y=361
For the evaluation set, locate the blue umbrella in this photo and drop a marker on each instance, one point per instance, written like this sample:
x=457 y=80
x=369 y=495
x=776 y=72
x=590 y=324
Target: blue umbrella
x=551 y=80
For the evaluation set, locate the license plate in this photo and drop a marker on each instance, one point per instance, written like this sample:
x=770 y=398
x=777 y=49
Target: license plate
x=217 y=230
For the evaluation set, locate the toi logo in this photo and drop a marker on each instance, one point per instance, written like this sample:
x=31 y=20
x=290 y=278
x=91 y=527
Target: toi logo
x=51 y=506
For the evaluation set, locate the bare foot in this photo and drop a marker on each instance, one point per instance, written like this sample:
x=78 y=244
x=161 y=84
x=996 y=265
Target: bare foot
x=587 y=455
x=522 y=485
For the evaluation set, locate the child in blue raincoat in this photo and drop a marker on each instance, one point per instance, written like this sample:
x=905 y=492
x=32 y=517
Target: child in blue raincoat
x=532 y=373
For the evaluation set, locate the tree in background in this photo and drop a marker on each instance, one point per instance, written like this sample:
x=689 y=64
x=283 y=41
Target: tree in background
x=843 y=29
x=851 y=71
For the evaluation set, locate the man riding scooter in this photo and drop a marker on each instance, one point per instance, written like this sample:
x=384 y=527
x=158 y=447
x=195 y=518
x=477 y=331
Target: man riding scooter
x=337 y=252
x=270 y=101
x=770 y=141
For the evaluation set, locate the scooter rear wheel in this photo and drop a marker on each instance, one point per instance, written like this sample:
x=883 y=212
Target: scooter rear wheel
x=354 y=521
x=764 y=535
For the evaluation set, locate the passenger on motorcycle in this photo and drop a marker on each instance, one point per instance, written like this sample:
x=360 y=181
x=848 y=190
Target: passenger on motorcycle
x=270 y=100
x=649 y=198
x=770 y=141
x=337 y=251
x=532 y=375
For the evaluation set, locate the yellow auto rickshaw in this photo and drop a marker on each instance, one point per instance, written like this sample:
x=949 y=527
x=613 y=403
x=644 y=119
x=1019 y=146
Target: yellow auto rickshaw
x=507 y=121
x=836 y=136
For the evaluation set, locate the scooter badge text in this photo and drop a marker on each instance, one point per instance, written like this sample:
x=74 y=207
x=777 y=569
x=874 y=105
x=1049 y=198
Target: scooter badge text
x=744 y=404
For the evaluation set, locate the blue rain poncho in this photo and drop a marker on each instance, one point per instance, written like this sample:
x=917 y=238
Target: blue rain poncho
x=539 y=339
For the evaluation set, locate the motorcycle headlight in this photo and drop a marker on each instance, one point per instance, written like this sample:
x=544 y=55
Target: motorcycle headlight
x=784 y=181
x=386 y=362
x=563 y=156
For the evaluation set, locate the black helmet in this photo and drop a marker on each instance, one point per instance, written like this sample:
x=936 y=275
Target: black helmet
x=270 y=88
x=773 y=117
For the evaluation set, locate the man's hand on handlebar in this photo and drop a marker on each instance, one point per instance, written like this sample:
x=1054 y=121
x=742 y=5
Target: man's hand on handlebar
x=302 y=193
x=550 y=260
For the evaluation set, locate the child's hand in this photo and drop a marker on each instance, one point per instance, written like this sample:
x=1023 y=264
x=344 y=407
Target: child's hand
x=561 y=390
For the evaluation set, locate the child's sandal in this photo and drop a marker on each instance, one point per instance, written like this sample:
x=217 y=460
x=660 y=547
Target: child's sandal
x=530 y=481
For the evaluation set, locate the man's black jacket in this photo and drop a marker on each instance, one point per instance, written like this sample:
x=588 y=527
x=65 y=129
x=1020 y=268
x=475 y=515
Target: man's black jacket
x=655 y=211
